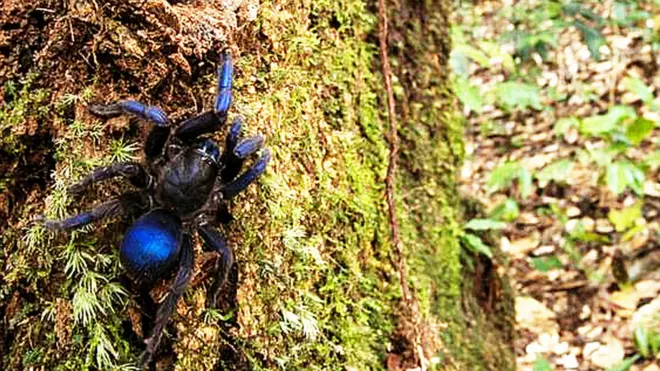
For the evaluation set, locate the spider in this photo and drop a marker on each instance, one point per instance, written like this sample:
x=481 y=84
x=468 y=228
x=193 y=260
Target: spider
x=183 y=187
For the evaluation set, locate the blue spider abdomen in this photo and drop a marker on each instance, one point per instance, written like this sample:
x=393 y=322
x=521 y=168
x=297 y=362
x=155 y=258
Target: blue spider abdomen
x=151 y=246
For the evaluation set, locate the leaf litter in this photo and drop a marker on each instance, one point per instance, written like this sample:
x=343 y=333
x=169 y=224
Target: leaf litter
x=562 y=120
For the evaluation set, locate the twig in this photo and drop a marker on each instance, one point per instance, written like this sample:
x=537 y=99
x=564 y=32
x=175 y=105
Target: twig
x=409 y=300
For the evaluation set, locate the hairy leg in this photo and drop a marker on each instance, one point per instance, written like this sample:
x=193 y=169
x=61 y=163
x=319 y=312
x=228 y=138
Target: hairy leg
x=206 y=122
x=144 y=301
x=243 y=181
x=150 y=113
x=213 y=241
x=166 y=308
x=225 y=76
x=127 y=203
x=159 y=133
x=236 y=151
x=211 y=121
x=131 y=170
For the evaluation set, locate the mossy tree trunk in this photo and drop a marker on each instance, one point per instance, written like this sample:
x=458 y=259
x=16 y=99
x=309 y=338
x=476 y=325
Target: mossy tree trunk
x=316 y=286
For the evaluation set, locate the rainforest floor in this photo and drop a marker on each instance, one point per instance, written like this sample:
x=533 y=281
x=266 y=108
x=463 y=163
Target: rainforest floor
x=562 y=105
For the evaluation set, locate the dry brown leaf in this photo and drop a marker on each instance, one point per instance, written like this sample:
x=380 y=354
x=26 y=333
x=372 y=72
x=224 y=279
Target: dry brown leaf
x=522 y=246
x=626 y=300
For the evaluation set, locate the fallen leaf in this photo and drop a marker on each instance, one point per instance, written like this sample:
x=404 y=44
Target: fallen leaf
x=534 y=315
x=609 y=354
x=625 y=299
x=523 y=246
x=646 y=316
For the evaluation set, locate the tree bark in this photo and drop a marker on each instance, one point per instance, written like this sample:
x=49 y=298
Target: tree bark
x=317 y=280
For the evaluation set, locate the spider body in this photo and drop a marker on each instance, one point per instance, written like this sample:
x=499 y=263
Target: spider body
x=188 y=178
x=183 y=189
x=151 y=246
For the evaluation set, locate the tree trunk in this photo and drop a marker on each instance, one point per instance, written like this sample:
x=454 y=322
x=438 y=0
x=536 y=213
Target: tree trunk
x=316 y=284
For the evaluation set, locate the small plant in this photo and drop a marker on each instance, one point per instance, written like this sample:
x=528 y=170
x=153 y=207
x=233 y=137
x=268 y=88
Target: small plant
x=647 y=342
x=503 y=176
x=473 y=242
x=23 y=104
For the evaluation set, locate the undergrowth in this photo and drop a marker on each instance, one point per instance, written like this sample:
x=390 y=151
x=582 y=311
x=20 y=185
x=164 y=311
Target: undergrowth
x=317 y=288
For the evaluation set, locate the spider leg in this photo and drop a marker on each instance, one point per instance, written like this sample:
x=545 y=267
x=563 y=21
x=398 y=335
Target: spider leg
x=131 y=170
x=214 y=241
x=242 y=182
x=232 y=163
x=127 y=203
x=144 y=301
x=166 y=308
x=224 y=97
x=211 y=121
x=193 y=127
x=237 y=151
x=151 y=113
x=223 y=215
x=159 y=133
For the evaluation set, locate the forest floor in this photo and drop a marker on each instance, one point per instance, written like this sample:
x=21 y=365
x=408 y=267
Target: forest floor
x=562 y=110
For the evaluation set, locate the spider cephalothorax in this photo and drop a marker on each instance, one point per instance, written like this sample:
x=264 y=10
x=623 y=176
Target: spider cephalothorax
x=183 y=188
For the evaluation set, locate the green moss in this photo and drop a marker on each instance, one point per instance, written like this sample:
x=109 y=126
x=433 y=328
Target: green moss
x=23 y=106
x=80 y=269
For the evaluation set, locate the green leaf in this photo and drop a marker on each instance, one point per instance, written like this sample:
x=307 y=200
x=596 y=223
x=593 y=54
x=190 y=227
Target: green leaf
x=592 y=37
x=468 y=95
x=602 y=157
x=622 y=174
x=473 y=53
x=475 y=244
x=632 y=232
x=517 y=95
x=542 y=364
x=653 y=160
x=616 y=178
x=638 y=87
x=564 y=124
x=654 y=340
x=580 y=234
x=635 y=177
x=606 y=123
x=625 y=218
x=546 y=263
x=460 y=64
x=507 y=211
x=525 y=182
x=494 y=50
x=557 y=171
x=625 y=364
x=484 y=224
x=642 y=341
x=502 y=176
x=639 y=130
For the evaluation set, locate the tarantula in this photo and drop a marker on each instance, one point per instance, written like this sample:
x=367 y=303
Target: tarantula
x=183 y=188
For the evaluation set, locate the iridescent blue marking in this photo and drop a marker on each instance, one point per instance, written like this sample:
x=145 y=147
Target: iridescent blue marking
x=133 y=107
x=235 y=129
x=152 y=244
x=156 y=115
x=248 y=177
x=210 y=149
x=225 y=75
x=260 y=166
x=248 y=146
x=152 y=113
